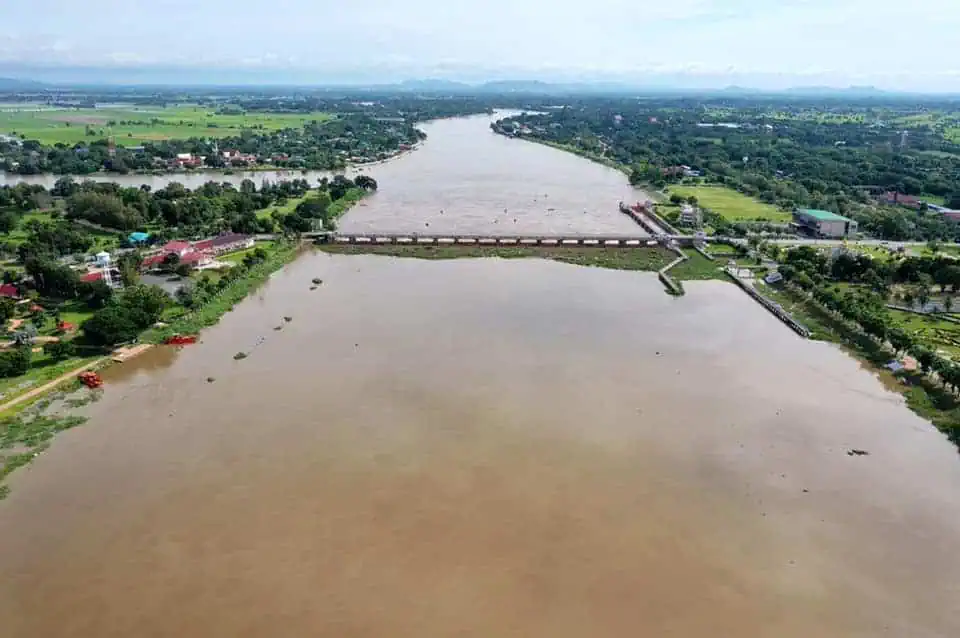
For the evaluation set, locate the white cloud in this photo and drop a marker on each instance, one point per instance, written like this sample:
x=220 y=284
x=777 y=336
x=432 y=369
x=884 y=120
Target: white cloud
x=884 y=42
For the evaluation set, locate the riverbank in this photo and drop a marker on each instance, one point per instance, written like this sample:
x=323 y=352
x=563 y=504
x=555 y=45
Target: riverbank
x=927 y=399
x=210 y=312
x=26 y=428
x=646 y=259
x=593 y=157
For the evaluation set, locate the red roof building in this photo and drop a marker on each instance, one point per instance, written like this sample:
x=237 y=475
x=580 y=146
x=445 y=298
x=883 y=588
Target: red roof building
x=224 y=243
x=9 y=290
x=179 y=247
x=91 y=277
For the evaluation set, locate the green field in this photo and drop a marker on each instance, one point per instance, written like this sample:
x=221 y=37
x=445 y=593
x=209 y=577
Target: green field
x=136 y=125
x=943 y=335
x=733 y=206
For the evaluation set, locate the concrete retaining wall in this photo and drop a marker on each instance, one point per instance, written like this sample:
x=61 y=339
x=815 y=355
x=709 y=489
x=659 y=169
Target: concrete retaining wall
x=772 y=306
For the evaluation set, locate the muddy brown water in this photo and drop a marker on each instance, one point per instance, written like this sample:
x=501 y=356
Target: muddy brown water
x=463 y=179
x=487 y=448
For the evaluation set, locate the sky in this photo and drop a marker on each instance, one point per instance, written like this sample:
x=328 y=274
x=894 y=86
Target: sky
x=891 y=44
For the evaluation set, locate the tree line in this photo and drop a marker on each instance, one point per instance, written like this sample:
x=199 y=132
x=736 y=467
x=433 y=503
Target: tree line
x=318 y=145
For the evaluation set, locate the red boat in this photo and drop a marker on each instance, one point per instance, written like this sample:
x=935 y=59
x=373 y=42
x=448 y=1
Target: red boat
x=180 y=340
x=90 y=379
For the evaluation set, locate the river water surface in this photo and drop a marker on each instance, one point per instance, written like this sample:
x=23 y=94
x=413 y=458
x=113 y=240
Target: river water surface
x=487 y=448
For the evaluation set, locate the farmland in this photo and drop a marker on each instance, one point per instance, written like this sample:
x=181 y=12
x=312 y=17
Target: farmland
x=730 y=204
x=132 y=126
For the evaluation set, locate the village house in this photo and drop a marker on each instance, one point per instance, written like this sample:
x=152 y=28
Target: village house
x=236 y=157
x=899 y=199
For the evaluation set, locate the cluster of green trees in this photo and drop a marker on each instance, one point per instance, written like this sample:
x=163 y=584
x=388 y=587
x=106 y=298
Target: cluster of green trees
x=774 y=151
x=193 y=295
x=318 y=145
x=864 y=307
x=211 y=208
x=126 y=315
x=319 y=207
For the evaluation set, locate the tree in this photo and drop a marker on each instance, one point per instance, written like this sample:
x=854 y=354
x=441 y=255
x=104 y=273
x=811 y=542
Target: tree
x=676 y=199
x=171 y=261
x=7 y=308
x=51 y=279
x=111 y=325
x=187 y=295
x=129 y=266
x=339 y=186
x=923 y=295
x=365 y=182
x=60 y=349
x=15 y=361
x=95 y=293
x=900 y=340
x=294 y=223
x=147 y=301
x=948 y=304
x=8 y=221
x=924 y=357
x=130 y=312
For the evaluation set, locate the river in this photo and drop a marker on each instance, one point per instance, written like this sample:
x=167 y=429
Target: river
x=487 y=448
x=463 y=179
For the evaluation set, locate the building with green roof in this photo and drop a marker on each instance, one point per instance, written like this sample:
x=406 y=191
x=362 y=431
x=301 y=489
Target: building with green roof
x=823 y=223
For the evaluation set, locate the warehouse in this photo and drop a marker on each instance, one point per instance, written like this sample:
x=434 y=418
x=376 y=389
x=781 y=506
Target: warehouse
x=824 y=223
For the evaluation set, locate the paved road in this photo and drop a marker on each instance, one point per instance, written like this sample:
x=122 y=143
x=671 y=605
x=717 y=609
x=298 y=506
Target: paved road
x=834 y=242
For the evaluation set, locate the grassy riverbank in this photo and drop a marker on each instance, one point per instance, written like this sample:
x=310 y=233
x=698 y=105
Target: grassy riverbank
x=924 y=396
x=590 y=155
x=648 y=259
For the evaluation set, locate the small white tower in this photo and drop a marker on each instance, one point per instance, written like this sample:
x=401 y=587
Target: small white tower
x=103 y=261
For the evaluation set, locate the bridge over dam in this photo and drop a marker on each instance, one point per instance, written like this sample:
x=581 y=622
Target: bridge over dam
x=600 y=241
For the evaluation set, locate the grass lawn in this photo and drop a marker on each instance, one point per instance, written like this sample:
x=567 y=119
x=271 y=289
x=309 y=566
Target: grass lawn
x=732 y=205
x=135 y=125
x=945 y=335
x=287 y=208
x=697 y=267
x=42 y=369
x=237 y=257
x=75 y=312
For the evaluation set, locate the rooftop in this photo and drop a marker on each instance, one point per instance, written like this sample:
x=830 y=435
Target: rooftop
x=823 y=215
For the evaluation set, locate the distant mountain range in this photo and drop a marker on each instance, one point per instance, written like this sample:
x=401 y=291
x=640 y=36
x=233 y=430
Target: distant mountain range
x=89 y=78
x=13 y=84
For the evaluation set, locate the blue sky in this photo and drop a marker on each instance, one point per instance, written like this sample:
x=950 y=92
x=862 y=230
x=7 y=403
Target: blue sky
x=893 y=44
